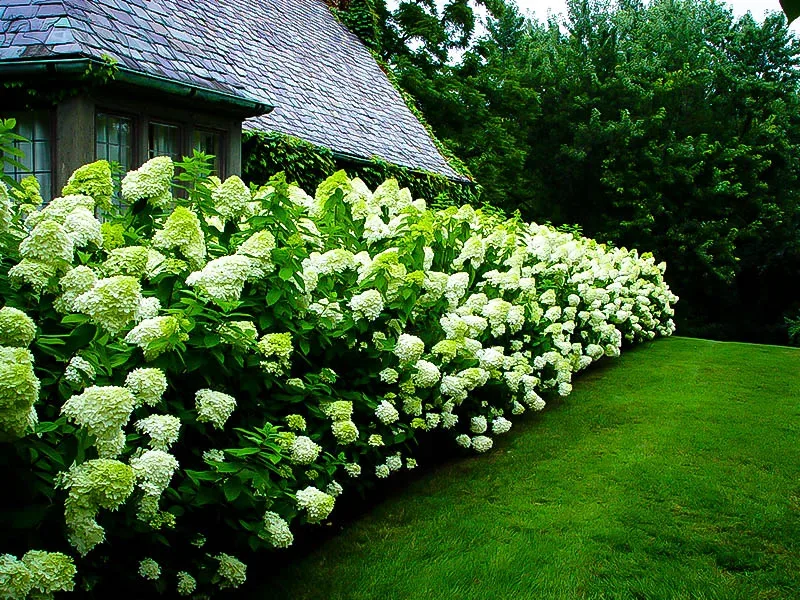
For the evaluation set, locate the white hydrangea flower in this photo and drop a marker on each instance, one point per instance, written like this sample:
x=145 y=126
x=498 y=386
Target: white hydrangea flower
x=162 y=429
x=427 y=374
x=317 y=504
x=394 y=462
x=79 y=371
x=345 y=432
x=409 y=348
x=352 y=469
x=367 y=305
x=388 y=375
x=147 y=385
x=457 y=285
x=386 y=413
x=478 y=424
x=182 y=232
x=334 y=489
x=103 y=411
x=149 y=308
x=223 y=278
x=156 y=335
x=449 y=420
x=258 y=248
x=153 y=471
x=463 y=440
x=152 y=182
x=231 y=198
x=375 y=440
x=382 y=471
x=276 y=530
x=231 y=572
x=501 y=425
x=111 y=303
x=481 y=443
x=214 y=407
x=213 y=456
x=304 y=450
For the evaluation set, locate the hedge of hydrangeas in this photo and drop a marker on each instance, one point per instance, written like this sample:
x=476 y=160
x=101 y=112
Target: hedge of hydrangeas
x=202 y=368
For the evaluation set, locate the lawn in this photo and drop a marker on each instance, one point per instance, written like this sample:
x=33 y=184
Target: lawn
x=671 y=472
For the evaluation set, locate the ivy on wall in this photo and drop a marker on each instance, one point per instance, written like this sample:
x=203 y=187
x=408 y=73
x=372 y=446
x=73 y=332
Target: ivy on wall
x=266 y=153
x=360 y=17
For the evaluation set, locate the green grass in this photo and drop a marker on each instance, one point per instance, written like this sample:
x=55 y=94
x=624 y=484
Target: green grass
x=672 y=472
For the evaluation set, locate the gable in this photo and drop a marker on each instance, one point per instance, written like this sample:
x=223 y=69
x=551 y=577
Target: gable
x=292 y=54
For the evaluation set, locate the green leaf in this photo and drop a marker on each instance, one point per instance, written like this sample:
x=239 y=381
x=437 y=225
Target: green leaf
x=273 y=296
x=232 y=488
x=286 y=273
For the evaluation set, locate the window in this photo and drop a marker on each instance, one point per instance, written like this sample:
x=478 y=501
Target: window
x=114 y=139
x=209 y=142
x=165 y=140
x=36 y=127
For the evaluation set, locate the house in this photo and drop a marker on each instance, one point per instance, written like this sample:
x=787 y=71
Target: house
x=190 y=75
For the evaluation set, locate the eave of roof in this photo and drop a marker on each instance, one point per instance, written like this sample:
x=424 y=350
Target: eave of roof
x=71 y=65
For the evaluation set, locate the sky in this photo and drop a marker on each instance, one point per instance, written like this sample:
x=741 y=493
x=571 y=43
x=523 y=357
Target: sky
x=540 y=8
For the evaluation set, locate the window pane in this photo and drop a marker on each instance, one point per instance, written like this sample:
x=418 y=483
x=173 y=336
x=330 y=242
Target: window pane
x=165 y=141
x=36 y=126
x=114 y=139
x=209 y=142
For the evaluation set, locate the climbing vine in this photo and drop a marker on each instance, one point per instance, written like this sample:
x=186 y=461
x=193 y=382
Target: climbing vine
x=266 y=153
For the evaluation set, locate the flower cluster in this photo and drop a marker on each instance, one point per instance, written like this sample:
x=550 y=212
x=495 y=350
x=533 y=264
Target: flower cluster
x=317 y=504
x=152 y=182
x=214 y=407
x=95 y=484
x=39 y=574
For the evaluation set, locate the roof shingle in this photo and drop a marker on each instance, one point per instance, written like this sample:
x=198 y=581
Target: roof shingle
x=293 y=54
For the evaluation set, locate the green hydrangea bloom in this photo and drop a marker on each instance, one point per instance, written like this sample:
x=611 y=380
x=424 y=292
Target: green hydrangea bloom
x=95 y=484
x=186 y=584
x=19 y=390
x=59 y=209
x=16 y=580
x=113 y=235
x=75 y=282
x=16 y=328
x=231 y=198
x=149 y=569
x=182 y=232
x=112 y=303
x=231 y=572
x=50 y=572
x=130 y=260
x=340 y=410
x=259 y=247
x=103 y=411
x=157 y=335
x=317 y=504
x=152 y=182
x=277 y=347
x=48 y=243
x=92 y=180
x=345 y=432
x=35 y=273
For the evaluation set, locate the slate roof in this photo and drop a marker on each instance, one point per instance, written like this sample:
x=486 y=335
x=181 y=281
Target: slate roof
x=291 y=54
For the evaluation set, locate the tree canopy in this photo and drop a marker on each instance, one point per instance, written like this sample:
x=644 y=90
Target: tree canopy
x=667 y=124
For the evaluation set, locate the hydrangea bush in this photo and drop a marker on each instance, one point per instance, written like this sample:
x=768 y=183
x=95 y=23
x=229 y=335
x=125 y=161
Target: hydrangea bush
x=211 y=367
